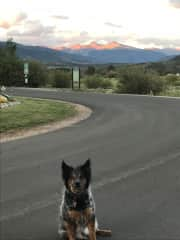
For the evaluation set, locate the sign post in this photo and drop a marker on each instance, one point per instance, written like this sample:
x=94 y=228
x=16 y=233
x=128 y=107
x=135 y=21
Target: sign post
x=26 y=72
x=76 y=78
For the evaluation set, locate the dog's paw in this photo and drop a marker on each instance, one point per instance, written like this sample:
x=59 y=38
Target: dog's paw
x=81 y=236
x=62 y=234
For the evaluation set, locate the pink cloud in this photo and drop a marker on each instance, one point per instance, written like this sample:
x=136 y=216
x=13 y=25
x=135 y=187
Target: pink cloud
x=19 y=18
x=5 y=24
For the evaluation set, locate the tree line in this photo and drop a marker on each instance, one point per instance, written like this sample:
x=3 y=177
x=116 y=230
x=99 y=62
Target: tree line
x=138 y=78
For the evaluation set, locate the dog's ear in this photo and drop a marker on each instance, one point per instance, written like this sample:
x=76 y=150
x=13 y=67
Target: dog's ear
x=86 y=169
x=87 y=164
x=66 y=170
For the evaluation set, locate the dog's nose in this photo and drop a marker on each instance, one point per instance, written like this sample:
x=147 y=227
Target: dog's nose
x=77 y=183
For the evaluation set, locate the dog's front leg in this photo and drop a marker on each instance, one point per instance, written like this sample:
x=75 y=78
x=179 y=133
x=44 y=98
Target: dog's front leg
x=70 y=230
x=89 y=214
x=92 y=230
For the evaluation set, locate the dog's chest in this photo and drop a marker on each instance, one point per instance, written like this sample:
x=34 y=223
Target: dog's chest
x=78 y=208
x=78 y=202
x=78 y=217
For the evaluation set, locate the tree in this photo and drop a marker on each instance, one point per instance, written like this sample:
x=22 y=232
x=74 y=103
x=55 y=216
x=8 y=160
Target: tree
x=10 y=48
x=11 y=67
x=61 y=79
x=37 y=74
x=110 y=68
x=91 y=70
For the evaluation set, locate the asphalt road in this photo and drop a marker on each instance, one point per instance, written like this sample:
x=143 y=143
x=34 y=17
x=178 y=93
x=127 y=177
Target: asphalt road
x=134 y=144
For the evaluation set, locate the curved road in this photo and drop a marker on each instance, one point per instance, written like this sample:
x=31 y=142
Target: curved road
x=134 y=144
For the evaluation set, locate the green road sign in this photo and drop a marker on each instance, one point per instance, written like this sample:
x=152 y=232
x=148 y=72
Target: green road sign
x=76 y=77
x=26 y=68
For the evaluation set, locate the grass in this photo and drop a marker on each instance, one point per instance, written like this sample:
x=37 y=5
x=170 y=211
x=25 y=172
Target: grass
x=171 y=92
x=33 y=112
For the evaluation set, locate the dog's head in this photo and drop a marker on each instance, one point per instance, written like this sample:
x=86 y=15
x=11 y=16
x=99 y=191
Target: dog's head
x=77 y=179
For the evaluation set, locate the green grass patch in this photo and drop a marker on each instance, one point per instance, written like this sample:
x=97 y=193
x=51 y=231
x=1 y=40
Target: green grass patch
x=33 y=112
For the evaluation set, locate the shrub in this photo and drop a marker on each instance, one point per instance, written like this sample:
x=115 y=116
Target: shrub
x=97 y=81
x=177 y=83
x=91 y=70
x=37 y=76
x=112 y=74
x=106 y=83
x=61 y=79
x=11 y=67
x=11 y=72
x=119 y=87
x=110 y=68
x=157 y=84
x=171 y=79
x=135 y=79
x=92 y=81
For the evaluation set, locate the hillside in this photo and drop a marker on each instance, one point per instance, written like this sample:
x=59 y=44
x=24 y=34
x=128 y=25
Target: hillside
x=48 y=55
x=92 y=53
x=115 y=52
x=164 y=67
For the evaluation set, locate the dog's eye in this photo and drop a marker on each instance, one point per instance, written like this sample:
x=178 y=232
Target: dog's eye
x=73 y=178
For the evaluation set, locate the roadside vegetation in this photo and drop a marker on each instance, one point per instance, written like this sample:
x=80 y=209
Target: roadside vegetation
x=161 y=78
x=33 y=112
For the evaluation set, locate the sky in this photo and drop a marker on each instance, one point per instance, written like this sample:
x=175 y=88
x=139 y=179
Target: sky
x=54 y=23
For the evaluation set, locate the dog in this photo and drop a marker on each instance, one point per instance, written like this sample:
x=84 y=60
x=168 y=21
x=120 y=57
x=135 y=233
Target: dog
x=77 y=219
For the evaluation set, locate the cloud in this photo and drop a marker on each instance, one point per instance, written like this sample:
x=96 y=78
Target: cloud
x=5 y=24
x=80 y=37
x=113 y=25
x=18 y=19
x=37 y=28
x=84 y=34
x=36 y=33
x=175 y=3
x=61 y=17
x=160 y=42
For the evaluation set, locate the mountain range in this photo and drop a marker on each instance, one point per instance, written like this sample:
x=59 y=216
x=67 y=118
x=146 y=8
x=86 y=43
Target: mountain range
x=93 y=53
x=48 y=55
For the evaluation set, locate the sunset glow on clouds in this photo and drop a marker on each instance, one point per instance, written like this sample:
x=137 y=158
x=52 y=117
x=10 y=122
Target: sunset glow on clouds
x=139 y=23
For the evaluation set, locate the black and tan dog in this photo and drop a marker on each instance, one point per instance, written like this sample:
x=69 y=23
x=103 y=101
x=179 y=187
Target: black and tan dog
x=77 y=218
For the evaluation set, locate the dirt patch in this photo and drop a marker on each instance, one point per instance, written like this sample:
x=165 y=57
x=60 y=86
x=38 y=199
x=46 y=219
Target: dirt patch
x=82 y=114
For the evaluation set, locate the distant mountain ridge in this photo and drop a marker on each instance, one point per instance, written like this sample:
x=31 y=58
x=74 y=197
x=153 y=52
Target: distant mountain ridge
x=48 y=55
x=93 y=53
x=115 y=52
x=94 y=45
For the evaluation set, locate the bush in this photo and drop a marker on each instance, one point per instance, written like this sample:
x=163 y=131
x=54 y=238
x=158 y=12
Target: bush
x=119 y=87
x=61 y=79
x=110 y=68
x=92 y=81
x=11 y=68
x=177 y=83
x=91 y=70
x=135 y=79
x=11 y=72
x=37 y=76
x=97 y=82
x=157 y=84
x=171 y=79
x=106 y=83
